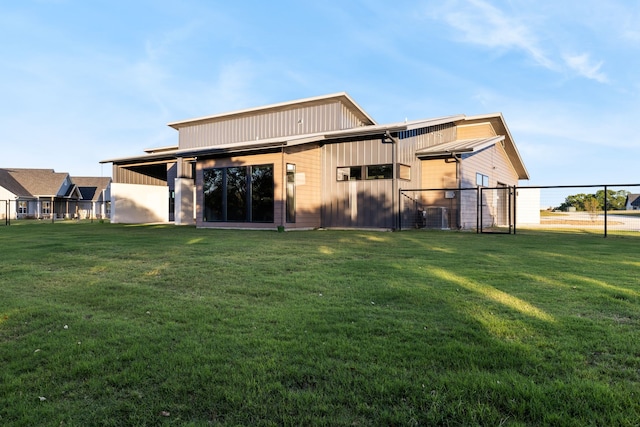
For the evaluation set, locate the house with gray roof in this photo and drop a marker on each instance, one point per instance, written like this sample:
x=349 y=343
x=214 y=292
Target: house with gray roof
x=95 y=196
x=632 y=202
x=46 y=194
x=317 y=162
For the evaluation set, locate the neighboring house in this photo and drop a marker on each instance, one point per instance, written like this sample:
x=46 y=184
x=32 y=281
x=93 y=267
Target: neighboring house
x=40 y=194
x=95 y=192
x=316 y=162
x=633 y=202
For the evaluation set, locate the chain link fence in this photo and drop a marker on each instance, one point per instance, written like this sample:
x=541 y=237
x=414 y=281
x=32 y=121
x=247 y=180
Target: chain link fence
x=599 y=209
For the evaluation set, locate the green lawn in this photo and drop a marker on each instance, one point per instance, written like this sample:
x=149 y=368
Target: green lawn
x=112 y=325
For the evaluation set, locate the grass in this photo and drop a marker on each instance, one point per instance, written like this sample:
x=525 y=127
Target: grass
x=117 y=325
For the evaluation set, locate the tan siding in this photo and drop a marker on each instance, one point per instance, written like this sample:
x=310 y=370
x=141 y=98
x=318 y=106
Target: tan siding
x=473 y=131
x=364 y=203
x=308 y=191
x=307 y=161
x=439 y=174
x=258 y=159
x=494 y=163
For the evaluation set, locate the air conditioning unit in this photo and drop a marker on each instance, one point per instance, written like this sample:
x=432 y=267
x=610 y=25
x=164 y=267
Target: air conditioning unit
x=436 y=217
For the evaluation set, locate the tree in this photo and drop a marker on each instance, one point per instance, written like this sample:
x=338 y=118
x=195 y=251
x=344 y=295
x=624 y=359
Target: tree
x=592 y=206
x=615 y=201
x=575 y=201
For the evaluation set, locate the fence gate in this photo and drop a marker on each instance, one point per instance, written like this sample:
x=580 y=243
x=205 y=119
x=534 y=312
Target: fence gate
x=497 y=210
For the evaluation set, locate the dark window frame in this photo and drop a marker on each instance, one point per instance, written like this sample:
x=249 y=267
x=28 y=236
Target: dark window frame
x=232 y=194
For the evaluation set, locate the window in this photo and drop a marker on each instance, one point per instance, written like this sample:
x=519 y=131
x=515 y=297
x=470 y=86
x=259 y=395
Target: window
x=379 y=171
x=238 y=193
x=214 y=194
x=482 y=180
x=262 y=193
x=350 y=173
x=22 y=207
x=356 y=173
x=46 y=207
x=291 y=193
x=404 y=172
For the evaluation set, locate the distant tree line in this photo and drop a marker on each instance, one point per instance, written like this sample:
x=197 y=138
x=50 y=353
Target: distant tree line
x=595 y=202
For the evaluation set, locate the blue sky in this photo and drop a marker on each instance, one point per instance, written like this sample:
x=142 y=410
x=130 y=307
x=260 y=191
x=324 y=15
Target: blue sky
x=83 y=81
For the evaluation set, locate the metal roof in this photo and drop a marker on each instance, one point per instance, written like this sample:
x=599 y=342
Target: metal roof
x=288 y=141
x=500 y=125
x=340 y=96
x=459 y=147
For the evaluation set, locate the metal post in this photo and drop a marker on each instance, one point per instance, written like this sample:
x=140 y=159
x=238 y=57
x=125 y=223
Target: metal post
x=478 y=209
x=605 y=211
x=515 y=207
x=399 y=210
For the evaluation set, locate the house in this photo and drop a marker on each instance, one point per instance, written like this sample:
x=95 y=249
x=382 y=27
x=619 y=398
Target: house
x=43 y=193
x=315 y=162
x=95 y=192
x=632 y=202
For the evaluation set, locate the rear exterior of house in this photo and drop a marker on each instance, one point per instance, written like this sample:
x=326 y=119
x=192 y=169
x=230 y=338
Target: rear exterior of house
x=633 y=202
x=46 y=194
x=38 y=193
x=316 y=162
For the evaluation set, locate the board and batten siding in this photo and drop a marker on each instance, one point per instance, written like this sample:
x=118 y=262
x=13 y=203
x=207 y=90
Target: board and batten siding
x=124 y=174
x=307 y=185
x=305 y=119
x=494 y=163
x=358 y=203
x=259 y=159
x=476 y=130
x=307 y=161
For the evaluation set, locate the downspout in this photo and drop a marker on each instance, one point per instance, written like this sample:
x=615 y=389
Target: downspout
x=394 y=180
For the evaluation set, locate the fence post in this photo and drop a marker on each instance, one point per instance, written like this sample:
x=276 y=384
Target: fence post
x=400 y=209
x=605 y=211
x=515 y=207
x=478 y=209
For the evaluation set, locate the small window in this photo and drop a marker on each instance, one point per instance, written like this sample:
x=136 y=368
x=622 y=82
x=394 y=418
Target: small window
x=379 y=171
x=404 y=172
x=349 y=173
x=482 y=180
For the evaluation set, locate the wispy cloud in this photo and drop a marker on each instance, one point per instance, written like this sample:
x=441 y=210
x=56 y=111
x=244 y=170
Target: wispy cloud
x=484 y=24
x=481 y=23
x=584 y=66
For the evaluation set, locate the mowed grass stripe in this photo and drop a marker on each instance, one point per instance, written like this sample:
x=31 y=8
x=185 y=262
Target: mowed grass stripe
x=179 y=326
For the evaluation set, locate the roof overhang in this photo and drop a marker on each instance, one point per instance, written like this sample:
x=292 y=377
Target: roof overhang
x=458 y=147
x=501 y=128
x=339 y=97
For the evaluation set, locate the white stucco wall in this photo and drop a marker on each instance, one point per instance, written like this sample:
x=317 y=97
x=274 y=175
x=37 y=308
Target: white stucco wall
x=7 y=199
x=185 y=201
x=138 y=204
x=528 y=206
